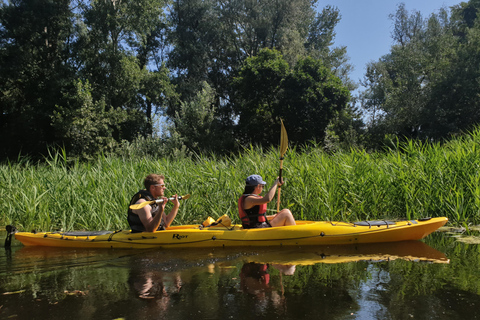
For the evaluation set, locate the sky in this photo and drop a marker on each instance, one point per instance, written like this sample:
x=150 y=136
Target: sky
x=365 y=28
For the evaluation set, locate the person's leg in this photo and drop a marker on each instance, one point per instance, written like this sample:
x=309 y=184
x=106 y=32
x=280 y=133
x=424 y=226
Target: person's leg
x=283 y=218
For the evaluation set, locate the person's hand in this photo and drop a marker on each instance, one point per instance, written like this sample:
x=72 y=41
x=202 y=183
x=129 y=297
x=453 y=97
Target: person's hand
x=279 y=183
x=175 y=201
x=164 y=203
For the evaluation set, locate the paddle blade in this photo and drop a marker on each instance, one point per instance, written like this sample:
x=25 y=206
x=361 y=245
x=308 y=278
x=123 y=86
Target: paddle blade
x=141 y=205
x=185 y=197
x=283 y=140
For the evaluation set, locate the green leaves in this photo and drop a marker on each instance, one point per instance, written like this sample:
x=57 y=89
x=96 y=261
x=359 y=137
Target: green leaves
x=427 y=86
x=307 y=96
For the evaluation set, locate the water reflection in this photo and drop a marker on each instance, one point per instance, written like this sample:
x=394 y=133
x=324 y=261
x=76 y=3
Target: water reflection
x=335 y=282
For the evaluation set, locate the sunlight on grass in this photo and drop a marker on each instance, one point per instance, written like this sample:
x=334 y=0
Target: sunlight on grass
x=410 y=181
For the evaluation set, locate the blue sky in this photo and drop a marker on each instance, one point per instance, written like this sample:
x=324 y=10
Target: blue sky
x=366 y=29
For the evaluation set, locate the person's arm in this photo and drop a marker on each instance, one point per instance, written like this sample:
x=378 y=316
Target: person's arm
x=150 y=223
x=254 y=201
x=173 y=213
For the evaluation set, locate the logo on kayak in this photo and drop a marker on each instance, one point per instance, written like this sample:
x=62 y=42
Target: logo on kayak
x=178 y=236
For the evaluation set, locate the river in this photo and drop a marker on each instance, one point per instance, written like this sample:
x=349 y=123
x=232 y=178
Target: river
x=437 y=278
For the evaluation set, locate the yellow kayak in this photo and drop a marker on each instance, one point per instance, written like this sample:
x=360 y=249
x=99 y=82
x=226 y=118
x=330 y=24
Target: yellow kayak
x=194 y=236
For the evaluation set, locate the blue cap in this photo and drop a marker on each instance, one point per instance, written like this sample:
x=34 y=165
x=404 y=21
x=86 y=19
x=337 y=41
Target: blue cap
x=254 y=180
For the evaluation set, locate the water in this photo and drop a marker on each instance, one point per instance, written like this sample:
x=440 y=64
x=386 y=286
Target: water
x=438 y=278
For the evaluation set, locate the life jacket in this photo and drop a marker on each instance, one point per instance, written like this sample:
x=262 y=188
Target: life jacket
x=256 y=272
x=133 y=219
x=253 y=216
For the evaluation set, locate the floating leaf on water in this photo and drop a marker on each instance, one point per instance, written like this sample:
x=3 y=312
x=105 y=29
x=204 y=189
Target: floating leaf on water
x=75 y=293
x=452 y=229
x=13 y=292
x=469 y=239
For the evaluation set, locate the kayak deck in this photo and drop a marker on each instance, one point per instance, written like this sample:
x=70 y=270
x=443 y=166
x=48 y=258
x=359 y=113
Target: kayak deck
x=304 y=233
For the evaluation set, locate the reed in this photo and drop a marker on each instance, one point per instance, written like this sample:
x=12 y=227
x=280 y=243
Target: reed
x=410 y=180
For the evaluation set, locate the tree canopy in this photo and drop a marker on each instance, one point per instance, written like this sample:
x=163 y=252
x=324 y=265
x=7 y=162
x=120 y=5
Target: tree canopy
x=214 y=76
x=427 y=86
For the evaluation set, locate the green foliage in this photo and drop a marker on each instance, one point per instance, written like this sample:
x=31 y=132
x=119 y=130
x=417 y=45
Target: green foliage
x=117 y=40
x=146 y=59
x=259 y=94
x=34 y=46
x=195 y=127
x=86 y=127
x=313 y=96
x=307 y=97
x=427 y=86
x=411 y=180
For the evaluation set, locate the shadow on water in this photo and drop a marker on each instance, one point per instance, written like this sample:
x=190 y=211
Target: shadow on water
x=435 y=279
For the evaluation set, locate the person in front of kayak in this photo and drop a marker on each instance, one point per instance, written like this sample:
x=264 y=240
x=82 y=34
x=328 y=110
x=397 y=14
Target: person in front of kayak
x=252 y=207
x=152 y=217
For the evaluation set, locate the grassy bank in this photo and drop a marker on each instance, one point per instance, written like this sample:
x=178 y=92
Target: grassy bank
x=410 y=181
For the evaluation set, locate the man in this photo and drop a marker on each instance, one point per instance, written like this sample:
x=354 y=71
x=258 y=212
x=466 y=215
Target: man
x=151 y=217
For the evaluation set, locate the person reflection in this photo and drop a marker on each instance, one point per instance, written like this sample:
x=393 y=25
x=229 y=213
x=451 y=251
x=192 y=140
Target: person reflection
x=155 y=285
x=255 y=280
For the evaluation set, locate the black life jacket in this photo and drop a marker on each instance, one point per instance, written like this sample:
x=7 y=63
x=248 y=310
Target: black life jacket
x=255 y=216
x=134 y=221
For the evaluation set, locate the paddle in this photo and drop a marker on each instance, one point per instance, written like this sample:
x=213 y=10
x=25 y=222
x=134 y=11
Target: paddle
x=143 y=204
x=283 y=149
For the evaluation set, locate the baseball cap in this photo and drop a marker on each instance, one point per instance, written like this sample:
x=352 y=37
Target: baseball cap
x=254 y=180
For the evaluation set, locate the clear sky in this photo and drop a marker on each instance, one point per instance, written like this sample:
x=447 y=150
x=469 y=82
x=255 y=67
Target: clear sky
x=365 y=27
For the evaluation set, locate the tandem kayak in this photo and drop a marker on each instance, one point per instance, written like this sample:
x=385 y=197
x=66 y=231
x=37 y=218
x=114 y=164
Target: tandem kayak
x=194 y=236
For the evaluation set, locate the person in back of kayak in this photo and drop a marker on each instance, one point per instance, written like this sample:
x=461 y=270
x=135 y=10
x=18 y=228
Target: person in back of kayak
x=151 y=217
x=252 y=207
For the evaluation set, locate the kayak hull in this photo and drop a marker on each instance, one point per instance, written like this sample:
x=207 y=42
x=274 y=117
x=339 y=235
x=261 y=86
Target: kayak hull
x=192 y=236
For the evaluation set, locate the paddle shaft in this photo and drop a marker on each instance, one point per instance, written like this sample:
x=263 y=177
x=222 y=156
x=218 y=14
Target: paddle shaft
x=283 y=149
x=169 y=199
x=145 y=203
x=280 y=187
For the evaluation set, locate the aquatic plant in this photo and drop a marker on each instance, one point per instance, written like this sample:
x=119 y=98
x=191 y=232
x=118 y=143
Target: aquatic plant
x=409 y=180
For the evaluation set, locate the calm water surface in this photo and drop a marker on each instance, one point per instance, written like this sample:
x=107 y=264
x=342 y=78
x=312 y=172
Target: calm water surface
x=438 y=278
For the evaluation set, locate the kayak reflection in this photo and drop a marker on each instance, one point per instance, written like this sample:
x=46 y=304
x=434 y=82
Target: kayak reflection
x=166 y=259
x=405 y=250
x=199 y=283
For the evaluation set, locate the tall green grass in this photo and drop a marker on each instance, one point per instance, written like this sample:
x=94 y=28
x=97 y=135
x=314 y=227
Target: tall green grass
x=411 y=180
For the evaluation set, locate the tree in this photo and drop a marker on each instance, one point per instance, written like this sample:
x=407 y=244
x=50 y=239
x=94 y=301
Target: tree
x=308 y=97
x=86 y=126
x=320 y=41
x=313 y=96
x=406 y=88
x=258 y=95
x=196 y=128
x=118 y=40
x=35 y=39
x=427 y=86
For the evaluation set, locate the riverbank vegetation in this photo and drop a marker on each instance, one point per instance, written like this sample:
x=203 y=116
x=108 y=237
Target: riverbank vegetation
x=408 y=180
x=120 y=89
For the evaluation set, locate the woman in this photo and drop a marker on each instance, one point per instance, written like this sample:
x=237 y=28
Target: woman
x=253 y=208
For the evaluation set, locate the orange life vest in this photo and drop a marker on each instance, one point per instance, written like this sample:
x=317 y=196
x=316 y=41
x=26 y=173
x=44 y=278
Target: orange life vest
x=253 y=216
